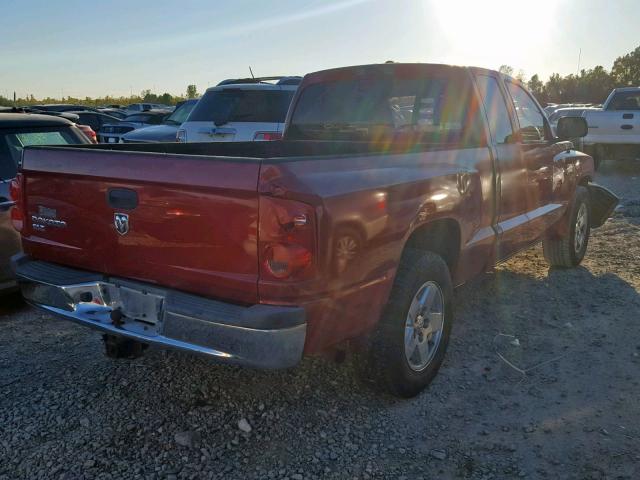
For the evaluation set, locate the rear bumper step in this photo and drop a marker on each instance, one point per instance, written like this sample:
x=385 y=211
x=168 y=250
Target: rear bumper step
x=260 y=336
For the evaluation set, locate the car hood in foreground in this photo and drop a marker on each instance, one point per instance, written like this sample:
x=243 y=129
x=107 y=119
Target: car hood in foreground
x=154 y=133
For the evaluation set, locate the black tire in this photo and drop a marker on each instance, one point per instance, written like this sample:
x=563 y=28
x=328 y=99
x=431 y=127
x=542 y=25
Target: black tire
x=562 y=252
x=387 y=363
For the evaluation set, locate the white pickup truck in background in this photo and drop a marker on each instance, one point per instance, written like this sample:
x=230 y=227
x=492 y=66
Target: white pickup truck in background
x=614 y=131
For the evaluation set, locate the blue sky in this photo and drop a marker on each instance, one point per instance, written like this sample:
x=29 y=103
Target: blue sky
x=80 y=48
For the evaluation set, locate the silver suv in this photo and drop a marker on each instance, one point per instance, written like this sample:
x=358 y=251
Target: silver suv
x=241 y=111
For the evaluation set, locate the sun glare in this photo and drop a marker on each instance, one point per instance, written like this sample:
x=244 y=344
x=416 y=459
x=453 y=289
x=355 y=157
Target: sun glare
x=493 y=32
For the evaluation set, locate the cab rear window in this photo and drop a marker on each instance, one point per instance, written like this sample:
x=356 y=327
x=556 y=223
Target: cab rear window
x=238 y=105
x=426 y=110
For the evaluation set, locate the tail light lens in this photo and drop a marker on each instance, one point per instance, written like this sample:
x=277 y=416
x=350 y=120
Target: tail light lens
x=17 y=211
x=267 y=136
x=181 y=136
x=287 y=240
x=89 y=132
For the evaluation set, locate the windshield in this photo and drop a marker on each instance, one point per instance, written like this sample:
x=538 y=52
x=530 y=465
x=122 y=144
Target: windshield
x=181 y=113
x=430 y=110
x=12 y=144
x=237 y=105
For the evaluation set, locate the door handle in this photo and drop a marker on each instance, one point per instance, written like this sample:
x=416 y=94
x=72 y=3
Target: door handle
x=627 y=116
x=626 y=127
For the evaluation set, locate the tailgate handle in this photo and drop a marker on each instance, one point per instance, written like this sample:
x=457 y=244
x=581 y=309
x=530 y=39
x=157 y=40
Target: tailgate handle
x=122 y=198
x=627 y=116
x=626 y=127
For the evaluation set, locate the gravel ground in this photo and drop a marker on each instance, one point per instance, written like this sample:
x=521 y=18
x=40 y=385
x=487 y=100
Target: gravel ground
x=541 y=381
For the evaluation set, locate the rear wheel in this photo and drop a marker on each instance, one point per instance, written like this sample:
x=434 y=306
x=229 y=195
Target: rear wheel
x=568 y=251
x=409 y=344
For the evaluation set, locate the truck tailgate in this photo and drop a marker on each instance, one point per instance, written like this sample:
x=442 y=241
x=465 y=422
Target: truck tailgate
x=185 y=222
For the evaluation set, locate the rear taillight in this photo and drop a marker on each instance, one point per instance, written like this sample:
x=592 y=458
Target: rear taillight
x=181 y=136
x=287 y=240
x=89 y=132
x=16 y=195
x=267 y=136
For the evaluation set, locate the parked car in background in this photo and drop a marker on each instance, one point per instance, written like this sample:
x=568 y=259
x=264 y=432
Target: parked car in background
x=240 y=112
x=62 y=107
x=165 y=132
x=568 y=112
x=119 y=113
x=392 y=185
x=95 y=119
x=17 y=131
x=143 y=107
x=614 y=130
x=112 y=132
x=89 y=132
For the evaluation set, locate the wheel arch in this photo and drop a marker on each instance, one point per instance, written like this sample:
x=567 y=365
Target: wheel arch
x=440 y=236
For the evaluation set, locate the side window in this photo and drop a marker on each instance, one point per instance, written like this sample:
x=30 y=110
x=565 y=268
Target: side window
x=625 y=101
x=496 y=107
x=529 y=115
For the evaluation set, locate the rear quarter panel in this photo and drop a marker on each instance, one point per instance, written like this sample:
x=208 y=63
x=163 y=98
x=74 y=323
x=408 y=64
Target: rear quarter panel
x=379 y=200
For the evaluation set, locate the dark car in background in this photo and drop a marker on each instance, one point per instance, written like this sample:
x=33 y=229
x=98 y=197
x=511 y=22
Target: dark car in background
x=145 y=107
x=18 y=130
x=62 y=107
x=165 y=132
x=119 y=113
x=95 y=119
x=113 y=132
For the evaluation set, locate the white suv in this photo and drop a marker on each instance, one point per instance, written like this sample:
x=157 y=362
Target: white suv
x=240 y=111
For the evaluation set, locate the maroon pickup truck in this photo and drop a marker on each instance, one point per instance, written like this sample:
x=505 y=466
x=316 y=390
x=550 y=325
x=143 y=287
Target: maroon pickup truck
x=392 y=185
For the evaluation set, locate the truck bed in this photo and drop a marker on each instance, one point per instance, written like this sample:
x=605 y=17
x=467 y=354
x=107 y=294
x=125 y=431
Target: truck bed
x=262 y=150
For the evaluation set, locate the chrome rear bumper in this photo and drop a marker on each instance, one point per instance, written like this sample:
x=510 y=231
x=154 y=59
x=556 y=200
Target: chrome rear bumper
x=261 y=336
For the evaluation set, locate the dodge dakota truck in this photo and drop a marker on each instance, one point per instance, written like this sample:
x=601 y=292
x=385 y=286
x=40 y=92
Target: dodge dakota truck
x=614 y=130
x=392 y=185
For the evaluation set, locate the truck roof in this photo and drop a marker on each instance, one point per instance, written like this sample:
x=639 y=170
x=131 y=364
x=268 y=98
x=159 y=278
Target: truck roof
x=395 y=68
x=626 y=89
x=14 y=120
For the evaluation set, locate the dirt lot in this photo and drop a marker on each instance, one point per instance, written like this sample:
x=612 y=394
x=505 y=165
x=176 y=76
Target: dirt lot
x=541 y=381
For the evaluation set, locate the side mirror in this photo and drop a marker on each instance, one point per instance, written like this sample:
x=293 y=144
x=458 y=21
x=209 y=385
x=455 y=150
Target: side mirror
x=571 y=127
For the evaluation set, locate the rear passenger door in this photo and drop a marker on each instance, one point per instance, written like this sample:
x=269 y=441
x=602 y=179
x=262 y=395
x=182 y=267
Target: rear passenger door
x=524 y=152
x=511 y=173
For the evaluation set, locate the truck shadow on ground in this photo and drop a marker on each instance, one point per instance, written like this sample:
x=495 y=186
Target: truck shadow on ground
x=129 y=404
x=560 y=304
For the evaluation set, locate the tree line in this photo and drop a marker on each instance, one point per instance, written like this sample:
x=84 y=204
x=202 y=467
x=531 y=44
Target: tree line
x=146 y=96
x=591 y=85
